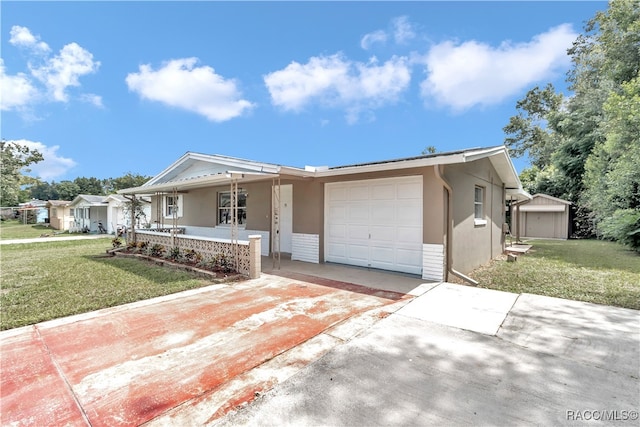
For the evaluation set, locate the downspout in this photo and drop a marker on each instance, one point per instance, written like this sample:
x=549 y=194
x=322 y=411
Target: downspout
x=448 y=256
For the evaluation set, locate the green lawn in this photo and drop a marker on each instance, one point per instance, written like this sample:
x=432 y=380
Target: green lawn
x=584 y=270
x=48 y=280
x=14 y=229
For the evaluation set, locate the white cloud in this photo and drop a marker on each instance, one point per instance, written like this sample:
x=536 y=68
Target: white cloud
x=65 y=69
x=464 y=75
x=22 y=37
x=93 y=99
x=53 y=164
x=335 y=81
x=56 y=73
x=199 y=89
x=402 y=30
x=371 y=38
x=16 y=92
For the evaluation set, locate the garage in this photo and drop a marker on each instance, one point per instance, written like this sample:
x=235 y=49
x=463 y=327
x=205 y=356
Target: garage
x=375 y=223
x=543 y=216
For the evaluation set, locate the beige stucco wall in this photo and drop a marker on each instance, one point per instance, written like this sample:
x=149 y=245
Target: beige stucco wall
x=474 y=245
x=60 y=221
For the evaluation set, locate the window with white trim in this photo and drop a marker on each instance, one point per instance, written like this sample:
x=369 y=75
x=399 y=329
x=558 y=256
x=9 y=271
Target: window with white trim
x=478 y=206
x=172 y=204
x=224 y=207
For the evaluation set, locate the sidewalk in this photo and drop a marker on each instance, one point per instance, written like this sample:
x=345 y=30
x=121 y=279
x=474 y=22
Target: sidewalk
x=55 y=239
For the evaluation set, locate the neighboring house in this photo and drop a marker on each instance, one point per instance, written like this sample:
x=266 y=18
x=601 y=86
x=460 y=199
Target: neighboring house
x=542 y=216
x=60 y=214
x=38 y=207
x=118 y=214
x=429 y=215
x=90 y=212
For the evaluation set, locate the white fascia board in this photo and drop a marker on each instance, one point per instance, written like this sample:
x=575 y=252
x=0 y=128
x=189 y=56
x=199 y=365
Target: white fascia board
x=401 y=164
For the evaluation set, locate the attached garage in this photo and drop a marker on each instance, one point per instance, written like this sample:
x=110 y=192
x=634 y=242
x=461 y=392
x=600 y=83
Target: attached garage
x=543 y=216
x=375 y=223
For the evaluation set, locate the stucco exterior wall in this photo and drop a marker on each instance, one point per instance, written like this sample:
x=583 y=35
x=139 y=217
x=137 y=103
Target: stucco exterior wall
x=474 y=245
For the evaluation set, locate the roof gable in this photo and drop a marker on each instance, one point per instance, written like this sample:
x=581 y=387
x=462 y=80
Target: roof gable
x=194 y=165
x=89 y=199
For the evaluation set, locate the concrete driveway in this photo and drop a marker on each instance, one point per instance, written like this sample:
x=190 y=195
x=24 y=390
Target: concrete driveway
x=184 y=359
x=302 y=351
x=459 y=356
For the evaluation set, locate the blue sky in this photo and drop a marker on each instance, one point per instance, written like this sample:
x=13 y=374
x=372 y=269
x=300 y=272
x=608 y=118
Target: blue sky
x=106 y=88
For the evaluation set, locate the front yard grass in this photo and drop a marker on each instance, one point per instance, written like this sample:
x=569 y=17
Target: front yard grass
x=48 y=280
x=584 y=270
x=14 y=229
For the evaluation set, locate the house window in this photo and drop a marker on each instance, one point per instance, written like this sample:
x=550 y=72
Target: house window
x=224 y=207
x=71 y=212
x=478 y=206
x=172 y=205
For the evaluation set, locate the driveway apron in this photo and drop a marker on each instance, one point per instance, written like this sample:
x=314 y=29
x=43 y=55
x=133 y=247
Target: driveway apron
x=128 y=365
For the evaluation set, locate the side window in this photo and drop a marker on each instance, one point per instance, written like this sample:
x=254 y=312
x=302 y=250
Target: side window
x=478 y=206
x=479 y=203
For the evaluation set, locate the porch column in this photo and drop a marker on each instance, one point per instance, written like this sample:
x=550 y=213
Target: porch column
x=255 y=258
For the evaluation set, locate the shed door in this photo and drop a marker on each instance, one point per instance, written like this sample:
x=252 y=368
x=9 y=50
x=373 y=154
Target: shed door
x=375 y=223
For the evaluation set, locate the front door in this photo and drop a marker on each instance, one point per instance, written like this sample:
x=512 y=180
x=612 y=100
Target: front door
x=286 y=217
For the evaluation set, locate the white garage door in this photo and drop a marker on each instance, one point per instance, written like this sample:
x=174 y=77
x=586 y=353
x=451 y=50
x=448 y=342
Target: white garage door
x=375 y=223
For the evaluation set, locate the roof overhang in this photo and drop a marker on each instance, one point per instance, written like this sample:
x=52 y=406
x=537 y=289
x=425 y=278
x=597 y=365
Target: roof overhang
x=199 y=182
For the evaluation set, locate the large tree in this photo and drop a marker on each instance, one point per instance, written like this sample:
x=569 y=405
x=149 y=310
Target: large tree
x=14 y=161
x=585 y=148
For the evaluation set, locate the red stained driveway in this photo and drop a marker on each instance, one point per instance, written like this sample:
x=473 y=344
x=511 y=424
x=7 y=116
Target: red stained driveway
x=130 y=364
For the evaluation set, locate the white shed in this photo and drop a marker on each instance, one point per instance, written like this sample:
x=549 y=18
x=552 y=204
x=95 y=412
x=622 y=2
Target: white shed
x=543 y=216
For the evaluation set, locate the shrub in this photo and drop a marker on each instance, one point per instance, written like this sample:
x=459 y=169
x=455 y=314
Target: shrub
x=174 y=254
x=157 y=250
x=116 y=242
x=624 y=227
x=192 y=256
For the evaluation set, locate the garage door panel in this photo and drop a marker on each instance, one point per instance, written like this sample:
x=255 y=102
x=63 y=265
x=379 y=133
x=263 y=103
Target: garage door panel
x=358 y=192
x=383 y=214
x=358 y=232
x=359 y=253
x=383 y=234
x=383 y=192
x=338 y=194
x=411 y=190
x=336 y=251
x=358 y=213
x=337 y=232
x=338 y=213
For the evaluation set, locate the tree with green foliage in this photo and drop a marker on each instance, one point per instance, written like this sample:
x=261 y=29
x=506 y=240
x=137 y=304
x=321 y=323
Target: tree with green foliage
x=586 y=148
x=14 y=160
x=128 y=180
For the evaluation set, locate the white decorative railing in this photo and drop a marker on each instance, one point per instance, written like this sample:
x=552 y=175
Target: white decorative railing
x=249 y=261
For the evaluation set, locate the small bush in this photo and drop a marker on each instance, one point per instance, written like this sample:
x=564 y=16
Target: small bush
x=623 y=227
x=174 y=254
x=157 y=250
x=116 y=242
